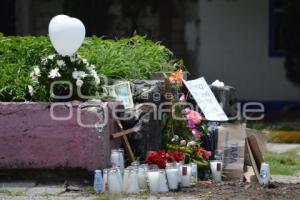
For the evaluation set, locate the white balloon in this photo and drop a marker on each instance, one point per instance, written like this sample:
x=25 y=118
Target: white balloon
x=66 y=34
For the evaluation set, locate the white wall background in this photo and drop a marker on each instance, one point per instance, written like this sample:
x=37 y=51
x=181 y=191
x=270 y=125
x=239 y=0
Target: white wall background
x=234 y=49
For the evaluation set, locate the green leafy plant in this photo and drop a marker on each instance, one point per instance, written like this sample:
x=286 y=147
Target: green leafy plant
x=128 y=58
x=73 y=70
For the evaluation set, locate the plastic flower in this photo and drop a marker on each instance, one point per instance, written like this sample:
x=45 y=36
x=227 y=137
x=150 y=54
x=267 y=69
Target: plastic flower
x=182 y=142
x=44 y=61
x=60 y=63
x=30 y=90
x=54 y=73
x=78 y=74
x=187 y=111
x=205 y=154
x=151 y=157
x=191 y=124
x=51 y=57
x=191 y=143
x=194 y=117
x=197 y=135
x=177 y=76
x=36 y=72
x=178 y=156
x=79 y=82
x=182 y=98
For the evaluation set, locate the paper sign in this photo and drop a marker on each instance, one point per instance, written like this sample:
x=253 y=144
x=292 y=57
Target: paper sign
x=206 y=100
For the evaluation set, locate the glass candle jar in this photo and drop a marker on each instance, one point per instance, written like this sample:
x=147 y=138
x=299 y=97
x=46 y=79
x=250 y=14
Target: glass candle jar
x=117 y=158
x=105 y=180
x=153 y=177
x=194 y=173
x=163 y=186
x=114 y=181
x=216 y=170
x=133 y=181
x=98 y=181
x=186 y=175
x=172 y=176
x=179 y=165
x=126 y=179
x=121 y=159
x=142 y=175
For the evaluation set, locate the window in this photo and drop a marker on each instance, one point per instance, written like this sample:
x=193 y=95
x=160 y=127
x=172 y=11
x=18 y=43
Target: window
x=276 y=28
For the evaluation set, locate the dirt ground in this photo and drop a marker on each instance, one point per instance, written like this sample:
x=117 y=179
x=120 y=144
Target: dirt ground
x=226 y=190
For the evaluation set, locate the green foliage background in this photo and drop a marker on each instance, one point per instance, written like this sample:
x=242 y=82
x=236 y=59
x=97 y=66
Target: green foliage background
x=128 y=58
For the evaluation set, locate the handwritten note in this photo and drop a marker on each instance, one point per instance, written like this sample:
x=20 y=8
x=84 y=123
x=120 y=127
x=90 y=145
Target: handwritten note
x=206 y=99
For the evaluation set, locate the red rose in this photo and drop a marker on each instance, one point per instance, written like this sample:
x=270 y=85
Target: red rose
x=205 y=154
x=151 y=157
x=178 y=156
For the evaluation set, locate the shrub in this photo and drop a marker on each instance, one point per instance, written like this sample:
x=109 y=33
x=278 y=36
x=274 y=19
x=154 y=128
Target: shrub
x=128 y=58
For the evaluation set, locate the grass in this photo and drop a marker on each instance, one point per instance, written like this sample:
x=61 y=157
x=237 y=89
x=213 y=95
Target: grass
x=284 y=164
x=274 y=127
x=7 y=192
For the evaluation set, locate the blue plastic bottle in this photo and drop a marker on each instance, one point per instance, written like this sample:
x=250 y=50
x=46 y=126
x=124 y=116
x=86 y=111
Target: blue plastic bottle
x=98 y=181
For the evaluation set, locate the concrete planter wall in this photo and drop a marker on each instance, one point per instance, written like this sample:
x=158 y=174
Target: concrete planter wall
x=31 y=139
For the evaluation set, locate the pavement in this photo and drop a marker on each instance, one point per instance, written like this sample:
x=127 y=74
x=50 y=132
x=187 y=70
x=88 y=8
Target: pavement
x=281 y=148
x=30 y=190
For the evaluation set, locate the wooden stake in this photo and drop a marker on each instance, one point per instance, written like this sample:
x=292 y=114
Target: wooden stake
x=123 y=133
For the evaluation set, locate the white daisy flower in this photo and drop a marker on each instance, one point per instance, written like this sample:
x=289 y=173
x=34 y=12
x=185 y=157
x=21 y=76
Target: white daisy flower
x=79 y=82
x=85 y=61
x=72 y=58
x=78 y=74
x=44 y=61
x=97 y=79
x=60 y=63
x=51 y=57
x=191 y=143
x=36 y=71
x=54 y=73
x=30 y=90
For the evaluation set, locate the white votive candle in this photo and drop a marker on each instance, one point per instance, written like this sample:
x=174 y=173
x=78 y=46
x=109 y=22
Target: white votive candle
x=172 y=175
x=114 y=181
x=133 y=181
x=142 y=175
x=194 y=174
x=153 y=177
x=216 y=170
x=186 y=176
x=163 y=186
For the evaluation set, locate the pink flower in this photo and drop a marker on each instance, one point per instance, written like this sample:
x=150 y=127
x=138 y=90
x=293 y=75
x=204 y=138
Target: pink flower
x=187 y=111
x=197 y=135
x=191 y=125
x=194 y=117
x=182 y=98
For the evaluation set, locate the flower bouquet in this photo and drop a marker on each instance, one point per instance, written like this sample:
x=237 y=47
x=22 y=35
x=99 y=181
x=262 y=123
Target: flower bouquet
x=183 y=133
x=59 y=75
x=162 y=157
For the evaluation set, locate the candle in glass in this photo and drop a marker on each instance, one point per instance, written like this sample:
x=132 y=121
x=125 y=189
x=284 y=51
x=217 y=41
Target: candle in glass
x=142 y=175
x=121 y=160
x=114 y=181
x=115 y=158
x=172 y=175
x=194 y=174
x=185 y=175
x=178 y=165
x=126 y=179
x=105 y=180
x=216 y=170
x=163 y=186
x=153 y=177
x=133 y=181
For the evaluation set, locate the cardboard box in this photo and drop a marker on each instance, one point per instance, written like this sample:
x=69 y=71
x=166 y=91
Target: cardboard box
x=231 y=143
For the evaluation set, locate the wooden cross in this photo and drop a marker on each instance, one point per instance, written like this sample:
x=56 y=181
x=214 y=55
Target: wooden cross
x=123 y=133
